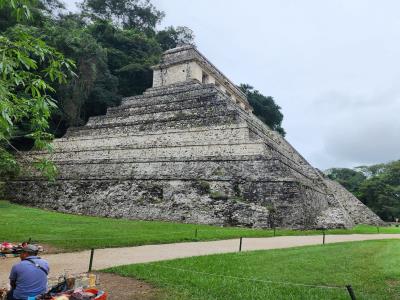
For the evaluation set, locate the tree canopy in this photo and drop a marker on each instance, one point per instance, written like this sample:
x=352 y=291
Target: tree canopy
x=265 y=108
x=29 y=68
x=349 y=178
x=377 y=186
x=127 y=14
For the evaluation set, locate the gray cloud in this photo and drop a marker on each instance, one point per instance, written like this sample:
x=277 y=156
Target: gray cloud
x=363 y=132
x=354 y=129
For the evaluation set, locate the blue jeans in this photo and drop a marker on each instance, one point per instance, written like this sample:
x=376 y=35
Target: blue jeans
x=11 y=297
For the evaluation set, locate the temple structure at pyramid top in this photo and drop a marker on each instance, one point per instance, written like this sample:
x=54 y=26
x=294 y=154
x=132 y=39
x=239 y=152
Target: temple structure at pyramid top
x=189 y=149
x=187 y=63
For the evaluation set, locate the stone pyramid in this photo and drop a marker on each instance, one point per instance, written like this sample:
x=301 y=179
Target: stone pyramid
x=189 y=150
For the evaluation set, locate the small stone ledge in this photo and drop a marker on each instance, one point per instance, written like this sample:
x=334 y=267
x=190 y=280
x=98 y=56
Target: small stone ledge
x=217 y=119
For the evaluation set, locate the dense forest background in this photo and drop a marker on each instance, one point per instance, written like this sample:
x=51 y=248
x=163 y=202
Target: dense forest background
x=377 y=186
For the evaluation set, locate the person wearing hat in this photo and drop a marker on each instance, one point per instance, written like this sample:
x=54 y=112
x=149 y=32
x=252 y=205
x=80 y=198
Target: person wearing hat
x=28 y=278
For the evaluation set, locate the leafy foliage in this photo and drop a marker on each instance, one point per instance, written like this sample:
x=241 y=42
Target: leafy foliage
x=377 y=186
x=265 y=108
x=17 y=9
x=28 y=68
x=8 y=166
x=172 y=37
x=27 y=12
x=350 y=179
x=131 y=53
x=127 y=14
x=95 y=88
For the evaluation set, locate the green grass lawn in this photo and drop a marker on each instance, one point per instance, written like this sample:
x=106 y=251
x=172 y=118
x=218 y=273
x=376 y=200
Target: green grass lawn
x=371 y=267
x=73 y=232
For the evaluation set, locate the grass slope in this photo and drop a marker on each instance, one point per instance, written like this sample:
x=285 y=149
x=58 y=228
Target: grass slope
x=73 y=232
x=371 y=267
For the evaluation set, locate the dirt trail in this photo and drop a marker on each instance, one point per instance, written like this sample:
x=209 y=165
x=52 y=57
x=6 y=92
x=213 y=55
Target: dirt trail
x=77 y=262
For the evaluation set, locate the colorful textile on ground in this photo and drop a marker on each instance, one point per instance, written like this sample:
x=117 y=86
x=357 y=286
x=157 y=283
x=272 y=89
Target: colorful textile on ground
x=8 y=249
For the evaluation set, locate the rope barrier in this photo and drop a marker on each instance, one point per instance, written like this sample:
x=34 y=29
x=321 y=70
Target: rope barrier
x=145 y=235
x=196 y=233
x=249 y=279
x=112 y=237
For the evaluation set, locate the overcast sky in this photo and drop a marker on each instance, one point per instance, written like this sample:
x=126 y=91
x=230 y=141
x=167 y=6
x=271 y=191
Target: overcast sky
x=333 y=67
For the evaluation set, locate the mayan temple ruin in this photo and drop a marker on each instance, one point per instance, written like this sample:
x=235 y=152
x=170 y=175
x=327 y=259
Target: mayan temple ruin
x=188 y=150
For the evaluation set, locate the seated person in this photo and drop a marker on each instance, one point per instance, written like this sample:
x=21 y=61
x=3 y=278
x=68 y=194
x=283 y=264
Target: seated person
x=29 y=277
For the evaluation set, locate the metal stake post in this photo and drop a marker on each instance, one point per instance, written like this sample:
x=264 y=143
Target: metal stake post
x=91 y=259
x=351 y=292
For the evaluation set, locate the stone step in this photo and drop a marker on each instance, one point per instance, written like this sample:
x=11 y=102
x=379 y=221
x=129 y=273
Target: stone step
x=158 y=132
x=190 y=82
x=243 y=168
x=150 y=99
x=200 y=111
x=189 y=102
x=126 y=129
x=176 y=88
x=203 y=169
x=173 y=87
x=175 y=117
x=189 y=151
x=177 y=138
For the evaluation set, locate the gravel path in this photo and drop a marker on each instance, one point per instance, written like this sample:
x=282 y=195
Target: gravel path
x=77 y=262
